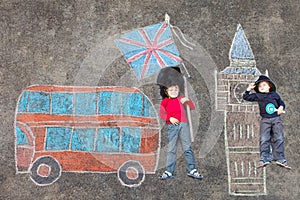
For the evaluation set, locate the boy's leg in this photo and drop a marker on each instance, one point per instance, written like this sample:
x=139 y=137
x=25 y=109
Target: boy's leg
x=272 y=145
x=278 y=137
x=172 y=147
x=186 y=144
x=265 y=139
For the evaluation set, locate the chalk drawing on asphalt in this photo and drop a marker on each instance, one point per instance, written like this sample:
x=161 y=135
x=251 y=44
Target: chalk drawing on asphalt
x=86 y=129
x=241 y=130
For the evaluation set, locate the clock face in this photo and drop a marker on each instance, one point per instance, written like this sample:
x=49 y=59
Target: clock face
x=238 y=91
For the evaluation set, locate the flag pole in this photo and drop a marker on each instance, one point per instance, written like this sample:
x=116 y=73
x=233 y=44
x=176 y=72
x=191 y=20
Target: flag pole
x=188 y=110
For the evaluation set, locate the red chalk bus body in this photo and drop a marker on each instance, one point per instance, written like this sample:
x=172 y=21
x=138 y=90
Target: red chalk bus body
x=86 y=129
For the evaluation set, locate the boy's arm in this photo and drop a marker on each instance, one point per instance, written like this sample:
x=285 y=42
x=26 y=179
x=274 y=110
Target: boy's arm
x=190 y=103
x=280 y=110
x=281 y=104
x=162 y=112
x=248 y=96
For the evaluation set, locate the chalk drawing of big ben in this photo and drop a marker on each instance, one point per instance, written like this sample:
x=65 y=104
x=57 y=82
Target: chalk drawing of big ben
x=241 y=128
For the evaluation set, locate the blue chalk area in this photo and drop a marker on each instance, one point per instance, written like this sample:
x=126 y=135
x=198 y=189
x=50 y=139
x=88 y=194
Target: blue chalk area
x=241 y=70
x=109 y=103
x=133 y=35
x=86 y=103
x=140 y=61
x=132 y=104
x=138 y=65
x=171 y=48
x=169 y=61
x=62 y=103
x=58 y=138
x=241 y=48
x=152 y=30
x=131 y=139
x=21 y=137
x=148 y=108
x=167 y=34
x=39 y=102
x=130 y=50
x=23 y=102
x=108 y=140
x=83 y=139
x=153 y=67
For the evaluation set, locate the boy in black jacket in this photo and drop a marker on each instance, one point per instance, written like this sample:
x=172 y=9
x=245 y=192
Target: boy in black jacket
x=271 y=107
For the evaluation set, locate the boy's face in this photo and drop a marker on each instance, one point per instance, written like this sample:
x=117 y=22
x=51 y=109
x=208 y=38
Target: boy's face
x=264 y=87
x=173 y=91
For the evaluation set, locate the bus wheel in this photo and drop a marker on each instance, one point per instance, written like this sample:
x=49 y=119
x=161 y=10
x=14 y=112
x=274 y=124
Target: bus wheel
x=131 y=173
x=45 y=171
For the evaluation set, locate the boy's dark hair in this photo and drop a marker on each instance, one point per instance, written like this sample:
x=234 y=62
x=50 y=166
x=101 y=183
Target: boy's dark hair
x=169 y=76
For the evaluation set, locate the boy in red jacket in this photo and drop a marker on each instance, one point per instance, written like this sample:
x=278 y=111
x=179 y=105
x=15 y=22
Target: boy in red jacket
x=173 y=112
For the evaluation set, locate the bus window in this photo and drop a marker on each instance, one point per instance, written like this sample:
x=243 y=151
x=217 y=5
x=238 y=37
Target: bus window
x=109 y=102
x=108 y=140
x=83 y=139
x=23 y=102
x=85 y=103
x=148 y=109
x=21 y=137
x=39 y=102
x=132 y=104
x=58 y=138
x=131 y=138
x=62 y=103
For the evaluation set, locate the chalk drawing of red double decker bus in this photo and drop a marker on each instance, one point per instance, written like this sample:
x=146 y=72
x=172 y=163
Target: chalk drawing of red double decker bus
x=86 y=129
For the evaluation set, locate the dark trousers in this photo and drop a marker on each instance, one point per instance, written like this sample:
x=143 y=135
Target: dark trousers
x=271 y=134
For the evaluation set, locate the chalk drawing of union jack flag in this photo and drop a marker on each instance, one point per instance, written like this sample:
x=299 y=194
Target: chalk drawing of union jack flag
x=149 y=49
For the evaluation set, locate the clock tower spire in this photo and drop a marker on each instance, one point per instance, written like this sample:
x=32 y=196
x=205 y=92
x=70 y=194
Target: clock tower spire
x=241 y=57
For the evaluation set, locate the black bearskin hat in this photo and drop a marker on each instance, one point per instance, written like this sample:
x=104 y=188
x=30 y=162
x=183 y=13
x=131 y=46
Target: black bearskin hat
x=170 y=76
x=264 y=78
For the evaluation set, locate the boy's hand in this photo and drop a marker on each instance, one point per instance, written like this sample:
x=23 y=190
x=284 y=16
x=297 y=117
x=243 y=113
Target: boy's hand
x=251 y=86
x=280 y=110
x=174 y=121
x=184 y=100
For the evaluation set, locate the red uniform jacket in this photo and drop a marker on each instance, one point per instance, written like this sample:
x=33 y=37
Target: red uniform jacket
x=171 y=107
